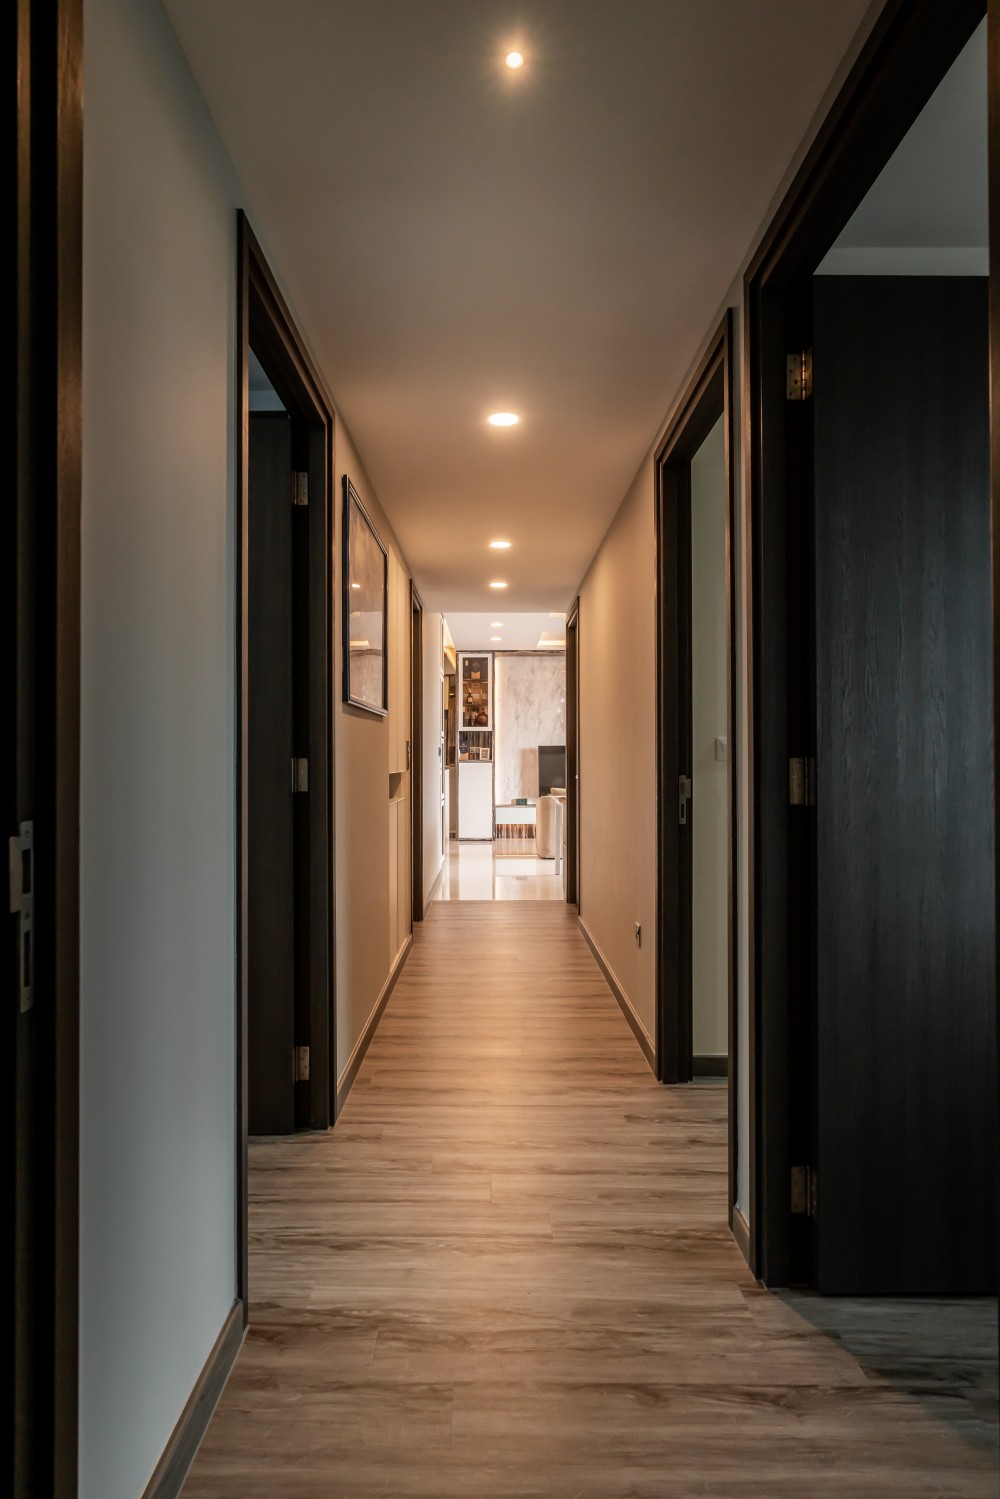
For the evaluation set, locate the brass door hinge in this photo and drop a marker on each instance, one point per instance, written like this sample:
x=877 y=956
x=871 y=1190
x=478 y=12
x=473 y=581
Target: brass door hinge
x=799 y=375
x=300 y=1064
x=300 y=489
x=300 y=775
x=804 y=1191
x=802 y=781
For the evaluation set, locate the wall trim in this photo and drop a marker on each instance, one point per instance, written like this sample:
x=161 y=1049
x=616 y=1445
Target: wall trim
x=186 y=1437
x=357 y=1056
x=435 y=887
x=711 y=1064
x=624 y=1003
x=741 y=1233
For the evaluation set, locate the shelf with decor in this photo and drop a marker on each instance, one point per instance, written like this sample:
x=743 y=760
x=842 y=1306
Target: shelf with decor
x=474 y=736
x=475 y=691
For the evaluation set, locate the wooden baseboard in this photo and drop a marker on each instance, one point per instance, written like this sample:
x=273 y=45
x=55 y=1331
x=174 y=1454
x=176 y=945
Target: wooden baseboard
x=624 y=1004
x=711 y=1065
x=357 y=1056
x=741 y=1233
x=186 y=1437
x=432 y=897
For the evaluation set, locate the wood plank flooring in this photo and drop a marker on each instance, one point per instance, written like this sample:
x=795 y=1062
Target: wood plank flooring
x=507 y=1272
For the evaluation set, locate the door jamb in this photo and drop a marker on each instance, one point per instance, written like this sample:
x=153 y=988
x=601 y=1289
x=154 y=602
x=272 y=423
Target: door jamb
x=416 y=753
x=44 y=766
x=264 y=320
x=573 y=755
x=911 y=46
x=708 y=396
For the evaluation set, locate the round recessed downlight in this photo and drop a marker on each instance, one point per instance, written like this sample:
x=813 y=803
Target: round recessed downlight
x=503 y=419
x=514 y=60
x=498 y=584
x=497 y=637
x=500 y=546
x=496 y=624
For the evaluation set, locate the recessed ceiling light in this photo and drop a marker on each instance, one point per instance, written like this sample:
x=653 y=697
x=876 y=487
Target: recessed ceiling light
x=496 y=624
x=500 y=546
x=498 y=584
x=514 y=60
x=355 y=585
x=503 y=419
x=496 y=637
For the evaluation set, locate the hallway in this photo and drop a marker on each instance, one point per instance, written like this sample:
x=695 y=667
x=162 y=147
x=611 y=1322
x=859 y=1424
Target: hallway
x=508 y=1272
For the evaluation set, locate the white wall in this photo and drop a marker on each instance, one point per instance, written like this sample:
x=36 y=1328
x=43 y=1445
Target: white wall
x=709 y=808
x=529 y=708
x=433 y=748
x=157 y=1113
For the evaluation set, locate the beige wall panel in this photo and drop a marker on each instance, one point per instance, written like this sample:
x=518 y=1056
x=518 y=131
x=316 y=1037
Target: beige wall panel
x=617 y=721
x=367 y=825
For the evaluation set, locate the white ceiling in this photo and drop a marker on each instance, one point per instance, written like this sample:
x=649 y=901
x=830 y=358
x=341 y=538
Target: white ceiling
x=928 y=211
x=456 y=238
x=518 y=631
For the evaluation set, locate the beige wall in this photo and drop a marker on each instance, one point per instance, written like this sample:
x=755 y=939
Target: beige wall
x=617 y=733
x=372 y=794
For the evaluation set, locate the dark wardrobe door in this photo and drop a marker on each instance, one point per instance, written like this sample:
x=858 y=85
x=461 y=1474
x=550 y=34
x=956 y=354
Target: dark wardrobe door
x=270 y=847
x=906 y=1053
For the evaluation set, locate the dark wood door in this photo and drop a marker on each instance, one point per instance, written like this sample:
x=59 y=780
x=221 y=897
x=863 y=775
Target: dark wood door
x=905 y=969
x=271 y=849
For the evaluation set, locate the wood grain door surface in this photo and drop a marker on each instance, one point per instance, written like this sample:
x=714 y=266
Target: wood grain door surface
x=905 y=1038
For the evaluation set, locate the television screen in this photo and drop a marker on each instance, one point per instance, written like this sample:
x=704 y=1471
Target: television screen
x=551 y=767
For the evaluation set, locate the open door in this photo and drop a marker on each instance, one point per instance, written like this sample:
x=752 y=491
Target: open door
x=273 y=779
x=905 y=963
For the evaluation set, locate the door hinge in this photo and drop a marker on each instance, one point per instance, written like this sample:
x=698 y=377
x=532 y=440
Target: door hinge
x=300 y=488
x=802 y=781
x=683 y=797
x=804 y=1191
x=300 y=1064
x=799 y=375
x=300 y=775
x=22 y=905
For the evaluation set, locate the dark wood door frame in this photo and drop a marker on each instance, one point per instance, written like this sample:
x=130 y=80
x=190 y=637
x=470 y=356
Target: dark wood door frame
x=417 y=752
x=573 y=756
x=264 y=322
x=708 y=397
x=43 y=753
x=911 y=47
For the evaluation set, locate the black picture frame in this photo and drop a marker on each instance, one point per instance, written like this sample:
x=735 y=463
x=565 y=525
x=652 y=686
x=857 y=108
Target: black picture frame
x=365 y=590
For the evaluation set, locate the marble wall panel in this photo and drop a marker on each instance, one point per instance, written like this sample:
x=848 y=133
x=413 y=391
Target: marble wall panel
x=529 y=704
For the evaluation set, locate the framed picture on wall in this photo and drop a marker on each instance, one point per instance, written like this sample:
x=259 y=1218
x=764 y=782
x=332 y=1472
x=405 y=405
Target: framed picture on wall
x=365 y=593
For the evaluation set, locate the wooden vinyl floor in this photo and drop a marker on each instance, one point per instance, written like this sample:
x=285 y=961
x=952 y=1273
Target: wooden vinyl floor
x=507 y=1272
